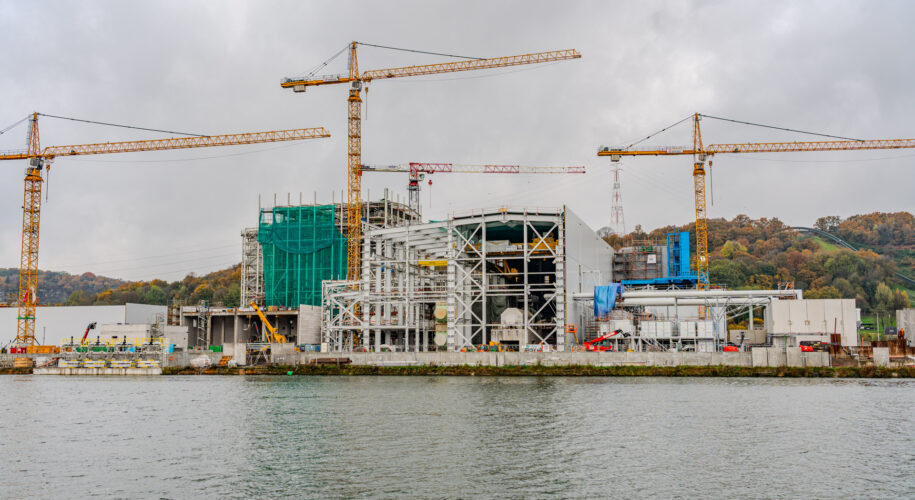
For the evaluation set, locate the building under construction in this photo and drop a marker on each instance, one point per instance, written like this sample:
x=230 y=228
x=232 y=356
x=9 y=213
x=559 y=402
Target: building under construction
x=524 y=279
x=500 y=275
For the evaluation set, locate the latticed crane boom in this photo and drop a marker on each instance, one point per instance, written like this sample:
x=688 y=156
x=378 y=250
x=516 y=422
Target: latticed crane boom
x=39 y=158
x=416 y=169
x=701 y=154
x=354 y=110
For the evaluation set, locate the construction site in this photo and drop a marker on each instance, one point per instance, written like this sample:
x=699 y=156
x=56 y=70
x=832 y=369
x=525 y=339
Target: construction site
x=371 y=280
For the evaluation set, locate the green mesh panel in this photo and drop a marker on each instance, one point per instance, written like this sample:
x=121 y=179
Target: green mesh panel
x=302 y=247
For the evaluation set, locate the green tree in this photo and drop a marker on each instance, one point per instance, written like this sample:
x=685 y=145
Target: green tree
x=830 y=223
x=883 y=298
x=202 y=292
x=78 y=298
x=154 y=295
x=732 y=249
x=727 y=272
x=824 y=292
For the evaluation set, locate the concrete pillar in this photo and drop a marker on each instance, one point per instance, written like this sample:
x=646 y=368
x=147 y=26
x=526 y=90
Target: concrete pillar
x=881 y=356
x=794 y=357
x=776 y=356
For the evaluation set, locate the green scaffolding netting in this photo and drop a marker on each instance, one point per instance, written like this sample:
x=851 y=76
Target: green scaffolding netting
x=302 y=246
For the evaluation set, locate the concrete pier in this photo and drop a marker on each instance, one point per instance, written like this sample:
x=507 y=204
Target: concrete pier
x=97 y=371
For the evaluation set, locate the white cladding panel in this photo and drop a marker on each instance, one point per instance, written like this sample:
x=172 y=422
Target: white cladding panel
x=816 y=316
x=588 y=262
x=905 y=320
x=309 y=328
x=797 y=316
x=647 y=329
x=688 y=329
x=624 y=325
x=850 y=320
x=55 y=323
x=779 y=316
x=834 y=311
x=143 y=313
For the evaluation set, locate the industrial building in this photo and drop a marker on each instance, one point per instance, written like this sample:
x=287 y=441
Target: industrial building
x=519 y=279
x=54 y=324
x=499 y=275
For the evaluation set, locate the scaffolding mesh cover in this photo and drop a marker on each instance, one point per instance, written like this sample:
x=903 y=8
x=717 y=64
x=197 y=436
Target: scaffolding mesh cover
x=302 y=246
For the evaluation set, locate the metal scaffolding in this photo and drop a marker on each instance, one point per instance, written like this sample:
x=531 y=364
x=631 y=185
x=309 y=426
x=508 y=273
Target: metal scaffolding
x=475 y=266
x=252 y=268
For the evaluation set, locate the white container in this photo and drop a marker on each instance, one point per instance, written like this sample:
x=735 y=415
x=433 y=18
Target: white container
x=647 y=329
x=688 y=329
x=664 y=329
x=705 y=329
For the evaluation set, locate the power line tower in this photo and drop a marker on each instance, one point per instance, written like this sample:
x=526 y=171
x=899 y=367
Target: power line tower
x=617 y=220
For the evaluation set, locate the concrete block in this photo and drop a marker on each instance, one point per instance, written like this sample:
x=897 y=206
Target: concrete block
x=776 y=357
x=794 y=357
x=815 y=359
x=881 y=356
x=759 y=356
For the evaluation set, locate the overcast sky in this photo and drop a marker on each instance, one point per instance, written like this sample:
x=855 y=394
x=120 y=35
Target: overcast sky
x=844 y=68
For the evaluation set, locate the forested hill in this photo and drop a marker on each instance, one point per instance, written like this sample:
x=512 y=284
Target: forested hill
x=760 y=253
x=56 y=288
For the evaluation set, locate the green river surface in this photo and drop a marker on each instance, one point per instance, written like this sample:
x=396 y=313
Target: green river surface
x=455 y=437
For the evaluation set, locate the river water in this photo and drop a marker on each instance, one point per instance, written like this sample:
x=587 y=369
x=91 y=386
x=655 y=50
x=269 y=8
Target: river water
x=455 y=437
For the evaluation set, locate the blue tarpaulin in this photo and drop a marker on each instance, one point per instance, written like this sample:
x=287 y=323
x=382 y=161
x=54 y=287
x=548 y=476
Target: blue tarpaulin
x=605 y=298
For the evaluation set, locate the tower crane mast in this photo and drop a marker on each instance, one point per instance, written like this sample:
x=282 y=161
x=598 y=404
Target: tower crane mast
x=354 y=119
x=40 y=160
x=702 y=153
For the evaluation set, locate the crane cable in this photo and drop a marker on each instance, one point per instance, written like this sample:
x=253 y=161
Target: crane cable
x=121 y=126
x=7 y=129
x=741 y=122
x=649 y=136
x=417 y=51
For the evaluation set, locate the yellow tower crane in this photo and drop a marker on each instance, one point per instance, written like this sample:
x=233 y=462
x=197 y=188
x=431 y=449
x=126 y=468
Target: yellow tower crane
x=702 y=153
x=354 y=115
x=40 y=159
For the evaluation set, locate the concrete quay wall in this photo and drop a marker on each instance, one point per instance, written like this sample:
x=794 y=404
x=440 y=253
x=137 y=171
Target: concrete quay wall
x=97 y=371
x=538 y=358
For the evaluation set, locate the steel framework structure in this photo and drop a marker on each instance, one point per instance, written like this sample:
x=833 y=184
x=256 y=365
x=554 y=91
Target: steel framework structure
x=252 y=268
x=408 y=271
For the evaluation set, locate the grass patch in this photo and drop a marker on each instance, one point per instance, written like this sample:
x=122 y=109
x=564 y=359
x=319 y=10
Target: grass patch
x=825 y=245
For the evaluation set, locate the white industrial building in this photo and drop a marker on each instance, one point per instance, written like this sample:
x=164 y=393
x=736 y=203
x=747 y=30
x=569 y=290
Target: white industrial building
x=53 y=324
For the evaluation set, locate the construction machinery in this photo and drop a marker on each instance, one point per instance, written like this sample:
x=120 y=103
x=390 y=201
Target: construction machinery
x=702 y=153
x=39 y=161
x=354 y=115
x=270 y=332
x=417 y=171
x=86 y=334
x=604 y=343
